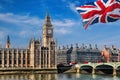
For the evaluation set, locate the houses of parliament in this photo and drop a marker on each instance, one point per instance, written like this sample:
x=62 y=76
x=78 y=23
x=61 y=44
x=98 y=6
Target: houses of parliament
x=44 y=53
x=40 y=53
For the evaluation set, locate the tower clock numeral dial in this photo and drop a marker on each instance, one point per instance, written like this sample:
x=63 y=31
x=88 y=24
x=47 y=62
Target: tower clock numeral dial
x=49 y=31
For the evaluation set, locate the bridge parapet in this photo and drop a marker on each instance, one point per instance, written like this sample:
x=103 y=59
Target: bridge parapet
x=94 y=65
x=113 y=65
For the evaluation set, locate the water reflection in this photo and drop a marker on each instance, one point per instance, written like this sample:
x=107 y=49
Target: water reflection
x=86 y=77
x=29 y=77
x=58 y=77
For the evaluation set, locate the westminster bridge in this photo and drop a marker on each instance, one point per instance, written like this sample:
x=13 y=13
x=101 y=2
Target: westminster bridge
x=99 y=68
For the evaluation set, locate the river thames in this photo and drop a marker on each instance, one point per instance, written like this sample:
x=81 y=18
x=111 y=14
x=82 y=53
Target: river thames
x=58 y=77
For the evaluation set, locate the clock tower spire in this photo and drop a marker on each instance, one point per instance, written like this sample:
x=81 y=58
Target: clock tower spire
x=47 y=33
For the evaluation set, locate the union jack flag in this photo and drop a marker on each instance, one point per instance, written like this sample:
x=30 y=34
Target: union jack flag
x=100 y=11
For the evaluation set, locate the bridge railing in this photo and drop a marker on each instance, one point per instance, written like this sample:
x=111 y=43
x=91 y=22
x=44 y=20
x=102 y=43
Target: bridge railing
x=114 y=64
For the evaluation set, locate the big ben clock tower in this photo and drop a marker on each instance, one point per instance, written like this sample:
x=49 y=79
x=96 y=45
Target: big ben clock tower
x=47 y=34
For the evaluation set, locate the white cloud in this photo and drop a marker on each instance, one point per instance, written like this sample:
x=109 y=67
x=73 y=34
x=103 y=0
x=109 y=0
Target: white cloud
x=1 y=34
x=33 y=21
x=22 y=27
x=24 y=33
x=3 y=31
x=64 y=26
x=62 y=31
x=20 y=19
x=72 y=7
x=30 y=25
x=64 y=23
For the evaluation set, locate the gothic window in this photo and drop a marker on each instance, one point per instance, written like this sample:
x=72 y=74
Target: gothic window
x=0 y=61
x=19 y=61
x=28 y=56
x=19 y=55
x=0 y=56
x=23 y=61
x=14 y=61
x=28 y=61
x=5 y=62
x=5 y=55
x=10 y=61
x=10 y=56
x=23 y=55
x=14 y=55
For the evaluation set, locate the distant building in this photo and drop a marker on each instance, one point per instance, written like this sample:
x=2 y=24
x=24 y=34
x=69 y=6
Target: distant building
x=111 y=54
x=65 y=55
x=78 y=54
x=88 y=54
x=40 y=53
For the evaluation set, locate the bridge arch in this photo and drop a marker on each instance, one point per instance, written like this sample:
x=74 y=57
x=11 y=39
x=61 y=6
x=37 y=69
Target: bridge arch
x=104 y=69
x=118 y=70
x=86 y=69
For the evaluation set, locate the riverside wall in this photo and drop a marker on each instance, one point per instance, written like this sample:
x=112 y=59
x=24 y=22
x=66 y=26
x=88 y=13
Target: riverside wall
x=26 y=70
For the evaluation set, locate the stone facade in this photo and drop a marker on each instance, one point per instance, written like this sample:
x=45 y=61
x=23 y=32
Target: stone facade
x=86 y=54
x=78 y=54
x=40 y=53
x=111 y=54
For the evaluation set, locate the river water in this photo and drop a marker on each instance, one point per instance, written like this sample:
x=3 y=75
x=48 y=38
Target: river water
x=58 y=77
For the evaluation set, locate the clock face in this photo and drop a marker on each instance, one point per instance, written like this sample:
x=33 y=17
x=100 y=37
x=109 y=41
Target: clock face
x=49 y=31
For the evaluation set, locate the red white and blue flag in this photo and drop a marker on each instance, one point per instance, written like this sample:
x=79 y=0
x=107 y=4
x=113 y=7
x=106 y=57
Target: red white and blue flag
x=100 y=11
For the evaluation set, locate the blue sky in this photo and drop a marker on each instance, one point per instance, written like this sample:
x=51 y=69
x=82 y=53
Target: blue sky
x=23 y=19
